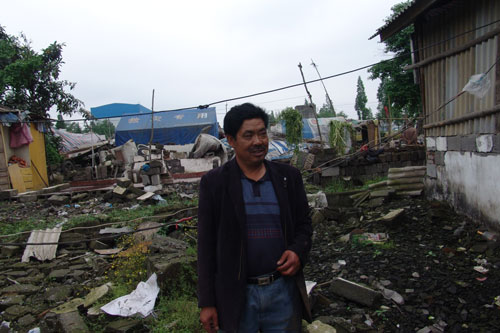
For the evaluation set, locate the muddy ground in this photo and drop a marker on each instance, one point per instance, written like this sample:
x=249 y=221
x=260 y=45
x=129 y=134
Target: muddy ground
x=446 y=274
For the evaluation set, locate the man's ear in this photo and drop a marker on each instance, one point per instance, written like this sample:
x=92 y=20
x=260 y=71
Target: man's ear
x=231 y=140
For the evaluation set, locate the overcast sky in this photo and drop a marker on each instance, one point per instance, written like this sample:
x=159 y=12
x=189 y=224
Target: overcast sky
x=199 y=52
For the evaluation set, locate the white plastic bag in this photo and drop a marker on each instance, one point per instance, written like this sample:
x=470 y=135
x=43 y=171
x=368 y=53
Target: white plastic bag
x=478 y=85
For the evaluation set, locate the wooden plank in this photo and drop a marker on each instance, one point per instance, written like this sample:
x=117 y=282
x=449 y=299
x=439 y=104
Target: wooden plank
x=16 y=178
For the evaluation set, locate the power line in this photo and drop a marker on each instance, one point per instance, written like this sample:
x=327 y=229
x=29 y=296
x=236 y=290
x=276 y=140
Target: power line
x=204 y=106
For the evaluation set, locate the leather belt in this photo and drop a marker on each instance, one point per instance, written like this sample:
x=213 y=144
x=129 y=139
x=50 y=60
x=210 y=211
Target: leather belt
x=264 y=280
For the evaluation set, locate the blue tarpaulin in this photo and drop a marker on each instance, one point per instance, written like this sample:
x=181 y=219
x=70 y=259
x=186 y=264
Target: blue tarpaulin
x=177 y=127
x=117 y=110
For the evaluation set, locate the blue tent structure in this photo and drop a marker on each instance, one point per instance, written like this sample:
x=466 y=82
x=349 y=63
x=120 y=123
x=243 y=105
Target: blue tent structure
x=117 y=110
x=177 y=127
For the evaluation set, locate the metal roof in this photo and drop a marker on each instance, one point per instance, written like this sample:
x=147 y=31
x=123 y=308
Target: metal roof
x=406 y=17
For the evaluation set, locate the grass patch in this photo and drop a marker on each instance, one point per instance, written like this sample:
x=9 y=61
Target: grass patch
x=340 y=185
x=177 y=315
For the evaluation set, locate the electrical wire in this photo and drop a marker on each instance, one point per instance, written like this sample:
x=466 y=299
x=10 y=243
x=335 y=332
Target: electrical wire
x=101 y=225
x=177 y=223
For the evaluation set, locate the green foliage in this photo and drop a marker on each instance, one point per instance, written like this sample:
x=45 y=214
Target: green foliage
x=397 y=89
x=52 y=147
x=326 y=111
x=30 y=80
x=74 y=127
x=293 y=125
x=101 y=127
x=361 y=100
x=60 y=124
x=338 y=130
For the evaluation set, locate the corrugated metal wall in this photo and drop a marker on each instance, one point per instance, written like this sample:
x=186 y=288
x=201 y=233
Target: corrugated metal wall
x=446 y=77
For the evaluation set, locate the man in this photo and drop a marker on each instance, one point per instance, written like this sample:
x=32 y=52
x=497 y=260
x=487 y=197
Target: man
x=254 y=236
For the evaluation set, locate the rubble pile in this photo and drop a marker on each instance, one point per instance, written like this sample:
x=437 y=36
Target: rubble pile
x=403 y=265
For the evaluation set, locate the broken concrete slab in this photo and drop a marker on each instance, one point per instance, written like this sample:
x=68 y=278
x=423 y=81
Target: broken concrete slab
x=146 y=196
x=27 y=197
x=59 y=199
x=71 y=322
x=392 y=215
x=354 y=292
x=382 y=193
x=10 y=251
x=170 y=266
x=124 y=182
x=21 y=289
x=119 y=191
x=415 y=193
x=95 y=294
x=151 y=229
x=319 y=327
x=9 y=300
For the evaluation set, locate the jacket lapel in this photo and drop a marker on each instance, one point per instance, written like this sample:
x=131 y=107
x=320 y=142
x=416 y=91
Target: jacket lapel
x=235 y=193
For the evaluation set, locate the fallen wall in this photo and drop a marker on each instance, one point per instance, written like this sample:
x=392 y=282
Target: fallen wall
x=464 y=170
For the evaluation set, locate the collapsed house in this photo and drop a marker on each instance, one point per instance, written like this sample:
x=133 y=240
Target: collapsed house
x=461 y=130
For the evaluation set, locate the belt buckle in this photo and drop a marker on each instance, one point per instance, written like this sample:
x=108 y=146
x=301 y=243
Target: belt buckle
x=263 y=281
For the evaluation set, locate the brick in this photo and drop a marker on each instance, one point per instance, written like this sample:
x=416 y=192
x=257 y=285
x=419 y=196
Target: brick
x=430 y=142
x=484 y=143
x=354 y=292
x=441 y=143
x=155 y=180
x=468 y=143
x=431 y=170
x=439 y=158
x=496 y=144
x=453 y=143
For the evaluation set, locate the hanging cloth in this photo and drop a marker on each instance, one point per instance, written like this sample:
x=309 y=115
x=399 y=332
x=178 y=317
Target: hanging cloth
x=20 y=135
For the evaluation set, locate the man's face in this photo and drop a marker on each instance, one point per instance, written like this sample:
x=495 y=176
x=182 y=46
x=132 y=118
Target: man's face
x=251 y=142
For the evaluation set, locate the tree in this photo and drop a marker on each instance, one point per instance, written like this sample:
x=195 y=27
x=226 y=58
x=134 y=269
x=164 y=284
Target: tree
x=74 y=127
x=293 y=127
x=326 y=111
x=60 y=124
x=30 y=80
x=101 y=127
x=361 y=100
x=397 y=89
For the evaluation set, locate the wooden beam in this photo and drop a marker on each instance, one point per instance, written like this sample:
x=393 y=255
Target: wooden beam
x=454 y=51
x=463 y=118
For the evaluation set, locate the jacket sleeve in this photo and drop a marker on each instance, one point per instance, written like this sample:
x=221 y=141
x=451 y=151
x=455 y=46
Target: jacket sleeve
x=301 y=244
x=206 y=245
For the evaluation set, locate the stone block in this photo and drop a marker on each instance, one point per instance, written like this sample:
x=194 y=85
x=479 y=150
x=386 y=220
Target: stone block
x=468 y=143
x=431 y=170
x=71 y=322
x=484 y=143
x=453 y=143
x=27 y=197
x=330 y=171
x=439 y=158
x=155 y=180
x=169 y=267
x=59 y=199
x=430 y=143
x=8 y=194
x=354 y=292
x=145 y=180
x=496 y=144
x=441 y=143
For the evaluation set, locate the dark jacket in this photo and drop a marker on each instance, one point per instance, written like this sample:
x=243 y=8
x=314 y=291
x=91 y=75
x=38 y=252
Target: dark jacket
x=222 y=238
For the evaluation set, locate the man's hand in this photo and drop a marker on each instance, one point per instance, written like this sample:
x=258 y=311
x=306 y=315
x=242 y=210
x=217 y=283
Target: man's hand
x=209 y=320
x=289 y=263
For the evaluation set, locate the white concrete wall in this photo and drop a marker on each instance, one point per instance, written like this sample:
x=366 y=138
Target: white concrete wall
x=470 y=182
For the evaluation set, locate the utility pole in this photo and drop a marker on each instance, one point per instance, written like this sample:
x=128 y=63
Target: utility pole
x=312 y=104
x=152 y=123
x=326 y=91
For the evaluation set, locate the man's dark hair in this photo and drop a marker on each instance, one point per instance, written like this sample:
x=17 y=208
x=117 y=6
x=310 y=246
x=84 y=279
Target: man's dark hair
x=239 y=113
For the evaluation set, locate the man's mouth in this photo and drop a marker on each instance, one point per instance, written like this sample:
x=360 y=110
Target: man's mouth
x=257 y=150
